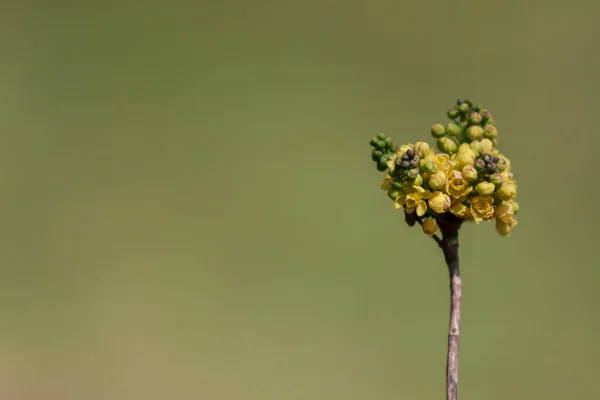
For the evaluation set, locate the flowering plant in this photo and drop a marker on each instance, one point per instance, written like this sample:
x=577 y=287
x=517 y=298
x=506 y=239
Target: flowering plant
x=468 y=179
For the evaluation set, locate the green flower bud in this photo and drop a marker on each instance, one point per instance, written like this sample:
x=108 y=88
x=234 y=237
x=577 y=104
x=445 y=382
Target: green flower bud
x=412 y=173
x=501 y=164
x=474 y=132
x=381 y=145
x=452 y=129
x=453 y=113
x=496 y=178
x=376 y=155
x=381 y=166
x=438 y=130
x=486 y=115
x=381 y=136
x=393 y=194
x=396 y=182
x=477 y=147
x=479 y=164
x=487 y=145
x=429 y=167
x=389 y=143
x=469 y=173
x=374 y=142
x=476 y=108
x=447 y=145
x=485 y=188
x=490 y=131
x=464 y=108
x=490 y=121
x=474 y=118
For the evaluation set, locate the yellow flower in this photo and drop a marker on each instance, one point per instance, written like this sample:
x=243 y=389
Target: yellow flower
x=482 y=208
x=430 y=226
x=466 y=157
x=438 y=180
x=386 y=183
x=485 y=188
x=460 y=210
x=416 y=201
x=505 y=213
x=422 y=149
x=457 y=186
x=442 y=162
x=439 y=202
x=514 y=205
x=400 y=201
x=507 y=191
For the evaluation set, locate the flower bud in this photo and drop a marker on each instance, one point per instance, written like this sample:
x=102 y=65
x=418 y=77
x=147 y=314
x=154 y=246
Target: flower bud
x=414 y=163
x=418 y=180
x=374 y=141
x=393 y=194
x=422 y=148
x=514 y=205
x=491 y=167
x=396 y=182
x=503 y=228
x=474 y=132
x=490 y=121
x=495 y=142
x=389 y=143
x=507 y=191
x=464 y=108
x=381 y=144
x=437 y=180
x=477 y=147
x=430 y=226
x=438 y=130
x=452 y=129
x=412 y=173
x=490 y=132
x=381 y=166
x=429 y=167
x=405 y=163
x=466 y=157
x=469 y=173
x=485 y=188
x=496 y=179
x=477 y=108
x=376 y=155
x=485 y=115
x=381 y=136
x=453 y=113
x=410 y=153
x=487 y=145
x=479 y=164
x=447 y=145
x=475 y=118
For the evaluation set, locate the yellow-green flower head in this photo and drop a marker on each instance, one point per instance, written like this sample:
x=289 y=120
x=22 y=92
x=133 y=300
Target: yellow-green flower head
x=442 y=162
x=447 y=145
x=437 y=180
x=487 y=145
x=466 y=157
x=460 y=210
x=482 y=208
x=439 y=202
x=422 y=149
x=485 y=188
x=457 y=186
x=477 y=147
x=469 y=173
x=430 y=226
x=474 y=132
x=507 y=191
x=490 y=132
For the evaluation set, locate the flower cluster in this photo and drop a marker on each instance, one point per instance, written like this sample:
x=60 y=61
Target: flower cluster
x=468 y=177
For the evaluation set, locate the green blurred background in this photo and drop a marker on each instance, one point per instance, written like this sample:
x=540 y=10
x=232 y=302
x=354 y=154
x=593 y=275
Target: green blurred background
x=189 y=210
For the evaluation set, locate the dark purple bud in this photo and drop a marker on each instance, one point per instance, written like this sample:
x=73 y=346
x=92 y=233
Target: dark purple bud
x=495 y=160
x=411 y=153
x=405 y=157
x=491 y=167
x=414 y=163
x=405 y=164
x=398 y=162
x=486 y=157
x=480 y=164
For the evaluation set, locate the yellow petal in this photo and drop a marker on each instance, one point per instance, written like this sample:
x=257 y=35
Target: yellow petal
x=421 y=208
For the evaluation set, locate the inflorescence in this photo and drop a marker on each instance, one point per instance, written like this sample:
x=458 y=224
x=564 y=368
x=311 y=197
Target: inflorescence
x=468 y=178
